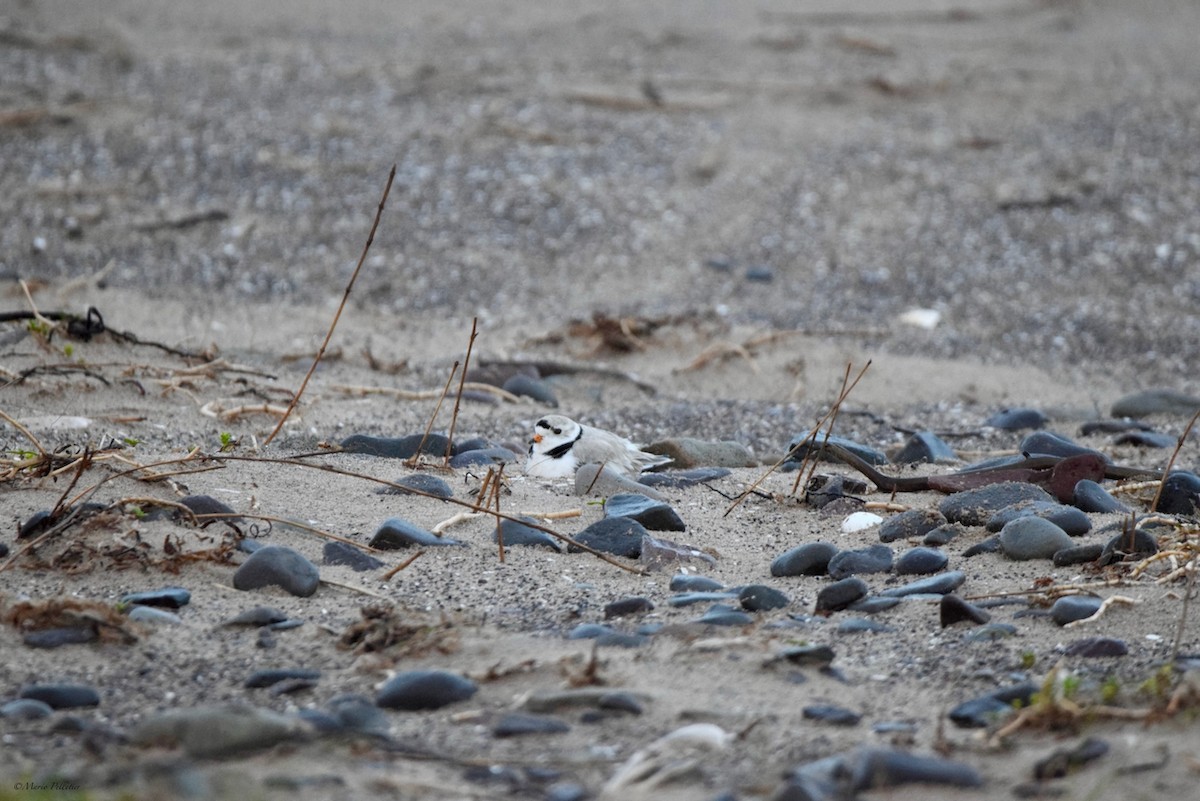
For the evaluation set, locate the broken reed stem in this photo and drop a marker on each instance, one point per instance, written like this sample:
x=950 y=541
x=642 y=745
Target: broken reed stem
x=388 y=576
x=25 y=432
x=462 y=381
x=497 y=485
x=1170 y=462
x=842 y=395
x=412 y=460
x=338 y=314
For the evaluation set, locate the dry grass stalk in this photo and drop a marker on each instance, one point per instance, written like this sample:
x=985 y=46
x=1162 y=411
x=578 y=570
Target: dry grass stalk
x=426 y=394
x=462 y=381
x=1170 y=462
x=337 y=315
x=411 y=462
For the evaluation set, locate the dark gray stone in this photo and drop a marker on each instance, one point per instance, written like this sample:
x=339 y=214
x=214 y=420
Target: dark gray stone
x=396 y=533
x=167 y=597
x=623 y=607
x=810 y=559
x=681 y=479
x=1017 y=419
x=799 y=448
x=1068 y=518
x=1091 y=497
x=926 y=446
x=872 y=559
x=1135 y=544
x=652 y=514
x=423 y=484
x=684 y=582
x=530 y=387
x=828 y=713
x=340 y=553
x=60 y=636
x=940 y=584
x=1032 y=538
x=278 y=565
x=424 y=689
x=974 y=507
x=61 y=696
x=761 y=598
x=620 y=536
x=396 y=447
x=1155 y=401
x=1070 y=608
x=518 y=532
x=1180 y=494
x=1046 y=443
x=483 y=457
x=910 y=525
x=954 y=609
x=840 y=594
x=266 y=678
x=722 y=615
x=1078 y=555
x=921 y=561
x=26 y=709
x=520 y=724
x=1093 y=647
x=985 y=710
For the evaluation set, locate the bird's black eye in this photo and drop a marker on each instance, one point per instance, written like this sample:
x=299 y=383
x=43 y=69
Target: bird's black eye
x=558 y=431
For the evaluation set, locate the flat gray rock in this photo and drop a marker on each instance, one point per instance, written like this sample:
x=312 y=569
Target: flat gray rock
x=280 y=566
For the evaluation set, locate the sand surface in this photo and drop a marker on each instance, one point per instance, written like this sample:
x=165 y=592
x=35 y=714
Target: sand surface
x=759 y=191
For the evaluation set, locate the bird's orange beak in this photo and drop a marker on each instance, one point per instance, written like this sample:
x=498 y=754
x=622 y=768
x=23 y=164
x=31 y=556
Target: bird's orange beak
x=537 y=437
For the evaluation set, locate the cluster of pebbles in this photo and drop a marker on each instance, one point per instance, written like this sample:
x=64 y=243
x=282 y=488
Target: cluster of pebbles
x=858 y=589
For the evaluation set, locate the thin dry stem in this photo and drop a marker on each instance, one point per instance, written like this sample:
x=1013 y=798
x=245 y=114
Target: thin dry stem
x=337 y=315
x=1170 y=462
x=462 y=382
x=412 y=460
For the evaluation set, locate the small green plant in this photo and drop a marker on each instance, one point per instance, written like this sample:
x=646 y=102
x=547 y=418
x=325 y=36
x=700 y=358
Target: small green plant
x=228 y=443
x=1159 y=682
x=1070 y=686
x=1110 y=689
x=130 y=441
x=137 y=511
x=1028 y=660
x=68 y=350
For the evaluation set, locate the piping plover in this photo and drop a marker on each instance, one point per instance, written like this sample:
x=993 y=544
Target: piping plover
x=560 y=445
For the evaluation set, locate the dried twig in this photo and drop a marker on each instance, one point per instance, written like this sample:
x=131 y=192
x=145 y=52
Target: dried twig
x=416 y=457
x=1167 y=470
x=462 y=381
x=337 y=315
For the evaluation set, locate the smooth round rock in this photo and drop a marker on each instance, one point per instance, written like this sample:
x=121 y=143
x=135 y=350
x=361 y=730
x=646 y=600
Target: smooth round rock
x=700 y=597
x=1137 y=544
x=681 y=479
x=1047 y=443
x=828 y=713
x=527 y=386
x=985 y=710
x=942 y=535
x=1092 y=497
x=876 y=768
x=620 y=536
x=858 y=625
x=1092 y=647
x=1070 y=608
x=1017 y=419
x=954 y=609
x=799 y=447
x=519 y=532
x=910 y=525
x=589 y=631
x=1071 y=520
x=483 y=457
x=423 y=484
x=61 y=696
x=340 y=553
x=761 y=598
x=520 y=724
x=209 y=732
x=1155 y=401
x=26 y=709
x=167 y=597
x=940 y=584
x=624 y=607
x=266 y=678
x=722 y=615
x=1180 y=494
x=974 y=507
x=208 y=505
x=396 y=533
x=151 y=614
x=652 y=514
x=1145 y=439
x=991 y=632
x=685 y=582
x=358 y=713
x=872 y=559
x=810 y=559
x=1032 y=538
x=397 y=447
x=921 y=561
x=424 y=689
x=279 y=566
x=925 y=447
x=686 y=453
x=860 y=521
x=990 y=545
x=59 y=636
x=840 y=594
x=257 y=616
x=1078 y=555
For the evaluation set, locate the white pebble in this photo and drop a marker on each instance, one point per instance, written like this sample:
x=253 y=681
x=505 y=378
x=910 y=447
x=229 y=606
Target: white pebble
x=921 y=318
x=859 y=521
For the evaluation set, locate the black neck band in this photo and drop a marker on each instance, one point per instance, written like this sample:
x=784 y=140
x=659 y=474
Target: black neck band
x=559 y=451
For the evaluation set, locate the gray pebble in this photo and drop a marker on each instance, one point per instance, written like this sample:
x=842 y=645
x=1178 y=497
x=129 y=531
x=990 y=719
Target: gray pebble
x=265 y=678
x=1180 y=494
x=722 y=615
x=653 y=515
x=810 y=559
x=858 y=625
x=341 y=553
x=1091 y=497
x=954 y=609
x=942 y=535
x=483 y=457
x=974 y=507
x=1155 y=401
x=872 y=559
x=840 y=594
x=987 y=709
x=1068 y=518
x=168 y=597
x=1136 y=544
x=518 y=532
x=619 y=536
x=940 y=584
x=396 y=447
x=531 y=387
x=827 y=713
x=208 y=732
x=1032 y=538
x=926 y=447
x=61 y=696
x=257 y=616
x=424 y=689
x=60 y=636
x=800 y=446
x=991 y=632
x=1070 y=608
x=1047 y=443
x=358 y=713
x=419 y=484
x=1017 y=419
x=1092 y=647
x=699 y=597
x=684 y=582
x=149 y=614
x=519 y=724
x=1145 y=439
x=395 y=533
x=682 y=479
x=921 y=561
x=623 y=607
x=761 y=598
x=1078 y=555
x=278 y=565
x=26 y=709
x=911 y=524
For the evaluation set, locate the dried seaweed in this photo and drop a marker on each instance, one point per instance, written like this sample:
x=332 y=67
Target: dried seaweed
x=66 y=612
x=402 y=633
